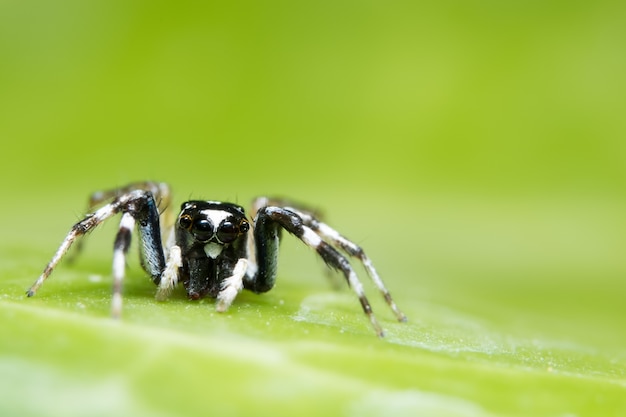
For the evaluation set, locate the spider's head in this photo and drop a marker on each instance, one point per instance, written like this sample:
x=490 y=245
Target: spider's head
x=212 y=236
x=211 y=225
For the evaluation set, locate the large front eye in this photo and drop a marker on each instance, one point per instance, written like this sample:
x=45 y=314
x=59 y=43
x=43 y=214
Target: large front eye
x=203 y=229
x=227 y=232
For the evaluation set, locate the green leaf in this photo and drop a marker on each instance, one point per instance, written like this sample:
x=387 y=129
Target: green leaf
x=303 y=348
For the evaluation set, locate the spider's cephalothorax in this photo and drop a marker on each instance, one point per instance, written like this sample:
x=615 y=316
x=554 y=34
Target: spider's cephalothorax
x=211 y=247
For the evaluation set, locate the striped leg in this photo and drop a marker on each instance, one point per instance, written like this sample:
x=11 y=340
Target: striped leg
x=268 y=222
x=120 y=249
x=137 y=207
x=79 y=229
x=352 y=249
x=161 y=193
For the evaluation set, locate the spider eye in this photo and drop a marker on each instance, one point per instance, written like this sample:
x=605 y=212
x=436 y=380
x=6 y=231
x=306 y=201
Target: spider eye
x=203 y=229
x=227 y=232
x=244 y=227
x=185 y=222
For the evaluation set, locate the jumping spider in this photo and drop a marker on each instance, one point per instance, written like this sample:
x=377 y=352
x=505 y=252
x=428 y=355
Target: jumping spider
x=212 y=247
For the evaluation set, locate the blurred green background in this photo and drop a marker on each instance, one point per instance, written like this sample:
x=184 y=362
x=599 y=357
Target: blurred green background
x=475 y=149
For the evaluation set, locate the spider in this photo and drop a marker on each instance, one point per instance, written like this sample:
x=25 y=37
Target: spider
x=211 y=246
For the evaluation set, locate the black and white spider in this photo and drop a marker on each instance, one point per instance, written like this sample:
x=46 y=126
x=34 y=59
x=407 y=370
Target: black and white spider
x=212 y=247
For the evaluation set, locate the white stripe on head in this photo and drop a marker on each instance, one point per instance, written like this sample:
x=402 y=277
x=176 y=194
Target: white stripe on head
x=216 y=216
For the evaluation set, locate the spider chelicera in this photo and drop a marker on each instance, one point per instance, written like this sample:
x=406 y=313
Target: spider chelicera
x=212 y=247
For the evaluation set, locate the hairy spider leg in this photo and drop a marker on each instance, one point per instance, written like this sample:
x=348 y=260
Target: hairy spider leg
x=268 y=223
x=137 y=206
x=79 y=229
x=160 y=191
x=354 y=250
x=152 y=257
x=120 y=249
x=303 y=211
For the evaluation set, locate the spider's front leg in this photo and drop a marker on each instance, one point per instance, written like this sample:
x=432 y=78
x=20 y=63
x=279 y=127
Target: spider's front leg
x=268 y=223
x=159 y=190
x=136 y=206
